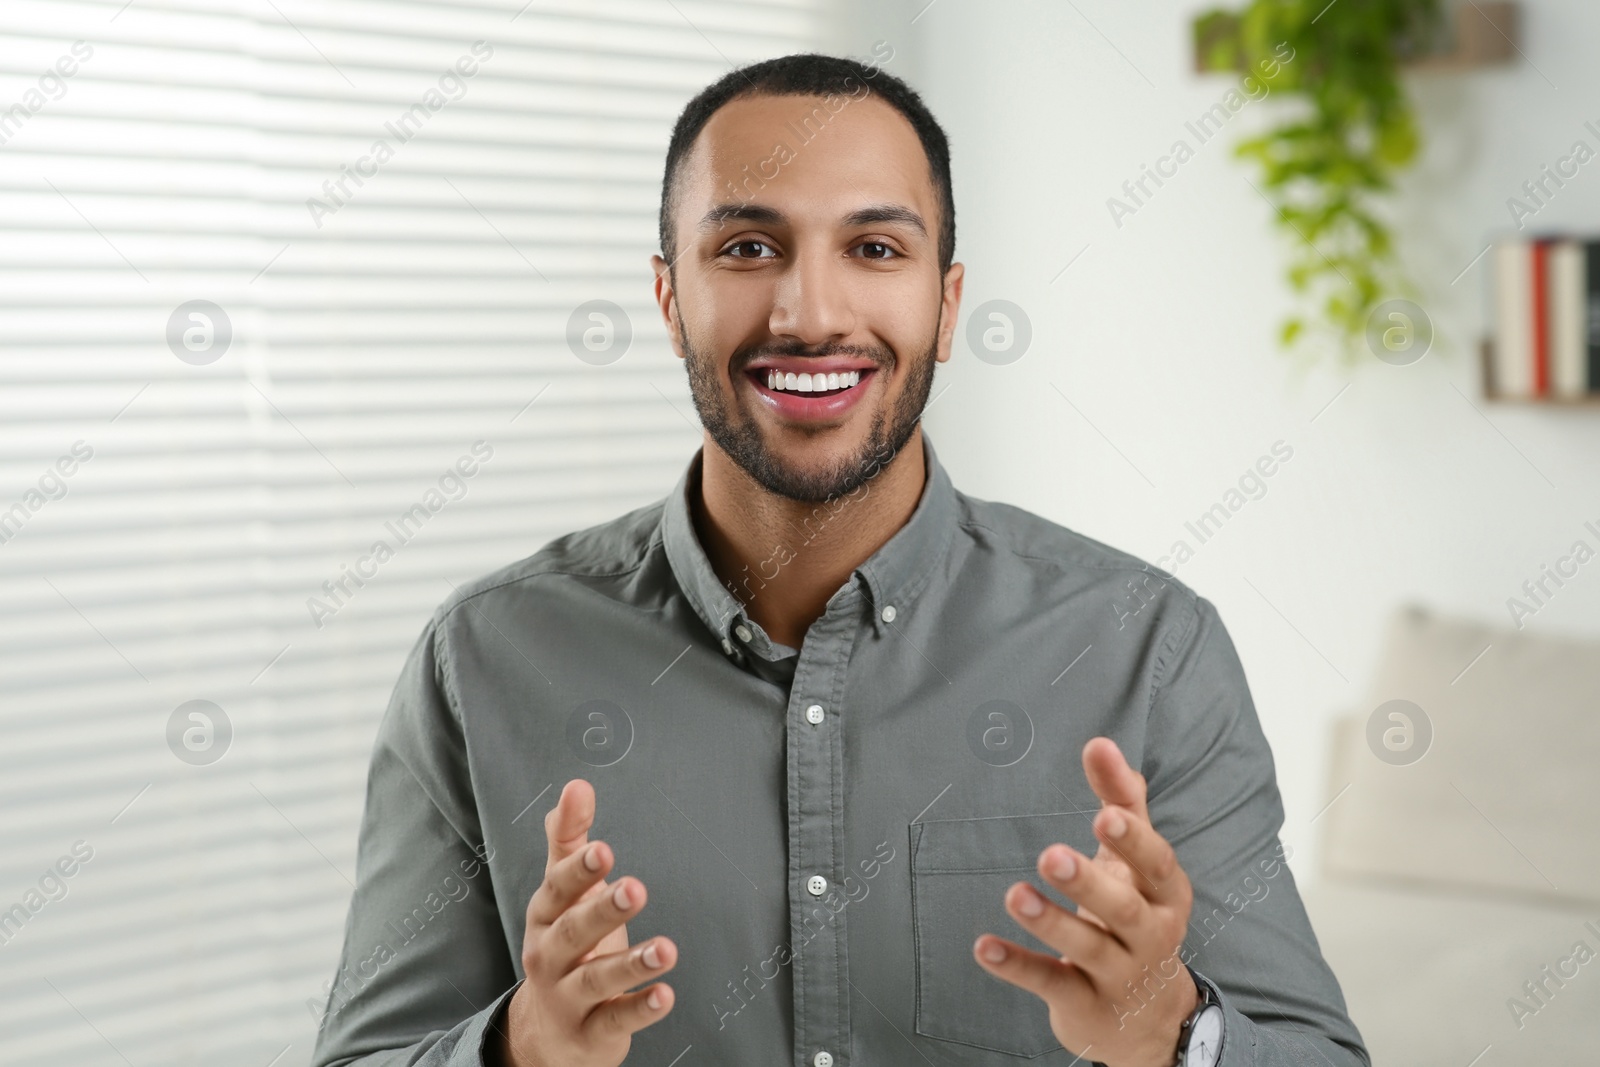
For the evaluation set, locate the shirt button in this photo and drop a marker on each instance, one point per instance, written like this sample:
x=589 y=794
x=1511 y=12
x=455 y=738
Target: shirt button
x=742 y=631
x=889 y=613
x=817 y=885
x=727 y=646
x=814 y=714
x=822 y=1059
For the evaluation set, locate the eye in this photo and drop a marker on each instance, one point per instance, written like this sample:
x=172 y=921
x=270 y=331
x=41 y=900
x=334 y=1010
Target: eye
x=875 y=250
x=750 y=250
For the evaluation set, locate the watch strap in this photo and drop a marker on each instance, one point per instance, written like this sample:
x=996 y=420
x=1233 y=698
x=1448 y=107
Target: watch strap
x=1209 y=996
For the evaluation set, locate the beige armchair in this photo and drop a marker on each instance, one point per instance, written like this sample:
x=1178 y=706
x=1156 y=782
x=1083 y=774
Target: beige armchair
x=1459 y=894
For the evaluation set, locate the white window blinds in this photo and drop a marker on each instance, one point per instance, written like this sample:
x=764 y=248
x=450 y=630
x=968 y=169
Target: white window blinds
x=282 y=281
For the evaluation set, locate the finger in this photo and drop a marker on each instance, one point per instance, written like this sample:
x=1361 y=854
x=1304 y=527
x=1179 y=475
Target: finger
x=1158 y=875
x=631 y=1012
x=1092 y=948
x=1124 y=910
x=576 y=931
x=1112 y=780
x=566 y=882
x=1062 y=984
x=566 y=826
x=617 y=972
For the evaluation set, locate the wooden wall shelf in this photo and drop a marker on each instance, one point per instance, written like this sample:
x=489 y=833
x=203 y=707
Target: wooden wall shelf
x=1486 y=356
x=1481 y=34
x=1545 y=401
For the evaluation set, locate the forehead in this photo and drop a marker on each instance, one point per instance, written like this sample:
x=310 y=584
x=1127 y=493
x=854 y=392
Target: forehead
x=800 y=152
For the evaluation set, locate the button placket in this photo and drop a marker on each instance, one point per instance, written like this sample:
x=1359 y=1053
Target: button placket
x=815 y=769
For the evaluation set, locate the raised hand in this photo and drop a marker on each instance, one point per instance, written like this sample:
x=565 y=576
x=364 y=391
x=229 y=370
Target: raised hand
x=574 y=1009
x=1119 y=987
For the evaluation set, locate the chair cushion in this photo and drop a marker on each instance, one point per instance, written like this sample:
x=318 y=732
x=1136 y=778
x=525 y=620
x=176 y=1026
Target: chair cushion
x=1432 y=976
x=1506 y=796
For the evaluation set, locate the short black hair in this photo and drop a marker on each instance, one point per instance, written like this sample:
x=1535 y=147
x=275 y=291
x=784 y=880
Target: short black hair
x=812 y=74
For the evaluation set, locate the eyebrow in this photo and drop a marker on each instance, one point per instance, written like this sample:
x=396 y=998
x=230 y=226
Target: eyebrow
x=887 y=213
x=724 y=213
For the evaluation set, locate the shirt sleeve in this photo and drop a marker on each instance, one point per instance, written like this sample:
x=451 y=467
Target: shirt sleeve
x=425 y=970
x=1213 y=794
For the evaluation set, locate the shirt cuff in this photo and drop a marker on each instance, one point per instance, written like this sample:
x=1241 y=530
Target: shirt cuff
x=483 y=1028
x=1238 y=1044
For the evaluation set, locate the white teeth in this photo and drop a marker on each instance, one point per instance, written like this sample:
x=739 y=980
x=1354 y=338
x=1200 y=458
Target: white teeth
x=811 y=383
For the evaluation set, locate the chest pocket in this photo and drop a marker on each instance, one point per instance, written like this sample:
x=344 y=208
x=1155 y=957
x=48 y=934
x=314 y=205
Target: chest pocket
x=960 y=870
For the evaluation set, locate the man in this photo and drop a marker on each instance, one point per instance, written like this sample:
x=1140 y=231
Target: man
x=864 y=746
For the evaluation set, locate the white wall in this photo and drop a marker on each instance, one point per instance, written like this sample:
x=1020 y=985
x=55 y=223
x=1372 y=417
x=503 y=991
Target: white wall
x=1162 y=334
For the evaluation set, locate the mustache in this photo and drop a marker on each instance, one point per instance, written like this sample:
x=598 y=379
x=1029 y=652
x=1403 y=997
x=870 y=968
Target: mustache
x=882 y=356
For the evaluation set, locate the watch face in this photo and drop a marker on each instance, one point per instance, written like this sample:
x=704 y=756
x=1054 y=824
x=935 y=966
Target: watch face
x=1205 y=1039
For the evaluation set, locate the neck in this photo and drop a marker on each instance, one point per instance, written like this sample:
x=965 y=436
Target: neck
x=783 y=559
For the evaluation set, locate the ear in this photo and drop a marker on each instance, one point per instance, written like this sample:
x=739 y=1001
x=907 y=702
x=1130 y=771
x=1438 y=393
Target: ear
x=950 y=299
x=667 y=301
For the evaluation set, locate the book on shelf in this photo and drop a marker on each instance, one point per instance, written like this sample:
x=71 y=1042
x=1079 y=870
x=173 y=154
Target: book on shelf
x=1547 y=319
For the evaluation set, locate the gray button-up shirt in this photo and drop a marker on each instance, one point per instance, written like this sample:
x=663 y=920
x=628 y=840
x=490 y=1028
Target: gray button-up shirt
x=823 y=831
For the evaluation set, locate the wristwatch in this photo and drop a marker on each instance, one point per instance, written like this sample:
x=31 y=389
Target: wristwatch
x=1200 y=1037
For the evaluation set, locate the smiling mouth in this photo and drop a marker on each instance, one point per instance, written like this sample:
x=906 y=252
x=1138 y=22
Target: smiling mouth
x=809 y=385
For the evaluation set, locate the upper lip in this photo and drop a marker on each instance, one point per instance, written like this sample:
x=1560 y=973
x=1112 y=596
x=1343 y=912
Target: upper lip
x=809 y=364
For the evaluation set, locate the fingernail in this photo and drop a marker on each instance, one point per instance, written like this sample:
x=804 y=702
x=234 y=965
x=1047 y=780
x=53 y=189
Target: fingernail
x=1116 y=825
x=1029 y=904
x=994 y=952
x=654 y=1000
x=591 y=857
x=651 y=956
x=1062 y=865
x=620 y=895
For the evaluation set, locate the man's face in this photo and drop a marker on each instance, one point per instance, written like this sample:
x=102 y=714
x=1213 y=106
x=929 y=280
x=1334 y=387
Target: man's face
x=808 y=258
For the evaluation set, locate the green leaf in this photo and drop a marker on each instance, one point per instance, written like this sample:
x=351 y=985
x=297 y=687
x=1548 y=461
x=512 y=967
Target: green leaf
x=1343 y=128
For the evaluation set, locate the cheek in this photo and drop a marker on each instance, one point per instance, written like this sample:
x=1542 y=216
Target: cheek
x=900 y=311
x=908 y=325
x=720 y=318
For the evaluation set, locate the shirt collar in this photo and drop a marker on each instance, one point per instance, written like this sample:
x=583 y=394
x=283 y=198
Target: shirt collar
x=894 y=575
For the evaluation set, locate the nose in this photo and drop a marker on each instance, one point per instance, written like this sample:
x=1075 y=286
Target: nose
x=811 y=304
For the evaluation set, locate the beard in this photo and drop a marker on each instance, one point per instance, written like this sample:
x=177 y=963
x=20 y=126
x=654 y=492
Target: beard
x=739 y=435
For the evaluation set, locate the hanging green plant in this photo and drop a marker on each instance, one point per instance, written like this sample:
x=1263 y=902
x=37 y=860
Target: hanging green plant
x=1330 y=163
